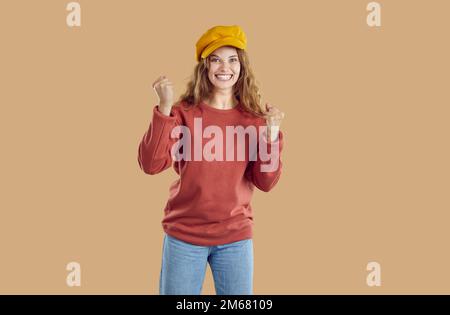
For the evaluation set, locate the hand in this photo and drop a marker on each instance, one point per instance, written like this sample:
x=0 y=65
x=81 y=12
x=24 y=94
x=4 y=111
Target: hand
x=274 y=116
x=164 y=90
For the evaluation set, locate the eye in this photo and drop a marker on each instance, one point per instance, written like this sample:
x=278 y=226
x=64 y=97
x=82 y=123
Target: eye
x=233 y=59
x=214 y=59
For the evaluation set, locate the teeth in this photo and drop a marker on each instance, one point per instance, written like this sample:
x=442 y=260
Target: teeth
x=224 y=77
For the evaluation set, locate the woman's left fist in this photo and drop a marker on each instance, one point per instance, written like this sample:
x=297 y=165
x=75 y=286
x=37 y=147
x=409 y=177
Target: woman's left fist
x=274 y=116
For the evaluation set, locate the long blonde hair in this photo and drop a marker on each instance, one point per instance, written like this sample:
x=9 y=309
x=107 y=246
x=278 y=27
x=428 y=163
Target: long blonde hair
x=245 y=89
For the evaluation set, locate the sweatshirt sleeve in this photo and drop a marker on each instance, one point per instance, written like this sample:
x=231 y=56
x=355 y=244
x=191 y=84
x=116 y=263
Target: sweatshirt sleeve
x=265 y=174
x=154 y=154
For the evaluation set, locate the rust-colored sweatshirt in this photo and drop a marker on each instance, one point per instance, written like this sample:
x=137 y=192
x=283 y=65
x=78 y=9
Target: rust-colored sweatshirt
x=210 y=202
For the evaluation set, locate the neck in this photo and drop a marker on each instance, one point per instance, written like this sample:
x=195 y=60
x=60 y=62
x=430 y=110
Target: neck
x=222 y=101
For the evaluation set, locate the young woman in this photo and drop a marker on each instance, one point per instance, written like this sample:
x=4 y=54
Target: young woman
x=208 y=217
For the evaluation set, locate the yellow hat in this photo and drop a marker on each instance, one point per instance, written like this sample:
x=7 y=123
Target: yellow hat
x=219 y=36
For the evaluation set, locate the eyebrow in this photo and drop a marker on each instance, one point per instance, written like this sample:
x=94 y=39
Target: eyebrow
x=218 y=56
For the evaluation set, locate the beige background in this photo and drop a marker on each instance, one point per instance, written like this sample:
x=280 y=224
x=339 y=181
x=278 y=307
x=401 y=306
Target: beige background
x=366 y=172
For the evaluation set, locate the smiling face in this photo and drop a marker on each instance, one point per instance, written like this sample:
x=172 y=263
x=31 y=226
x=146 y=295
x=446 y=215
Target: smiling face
x=224 y=67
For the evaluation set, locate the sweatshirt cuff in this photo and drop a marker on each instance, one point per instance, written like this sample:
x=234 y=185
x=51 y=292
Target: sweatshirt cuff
x=270 y=144
x=162 y=124
x=158 y=114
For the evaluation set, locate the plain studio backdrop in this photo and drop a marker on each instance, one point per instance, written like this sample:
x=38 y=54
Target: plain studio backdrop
x=365 y=164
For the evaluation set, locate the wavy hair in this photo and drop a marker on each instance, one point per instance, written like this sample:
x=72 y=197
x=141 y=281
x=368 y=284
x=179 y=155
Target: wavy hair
x=245 y=89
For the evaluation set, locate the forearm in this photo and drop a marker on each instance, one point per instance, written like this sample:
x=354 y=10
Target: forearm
x=154 y=153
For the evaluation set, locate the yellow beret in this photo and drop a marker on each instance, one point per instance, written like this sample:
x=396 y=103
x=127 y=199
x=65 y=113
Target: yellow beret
x=219 y=36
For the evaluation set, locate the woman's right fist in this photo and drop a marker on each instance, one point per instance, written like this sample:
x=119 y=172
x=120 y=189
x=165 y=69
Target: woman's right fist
x=164 y=89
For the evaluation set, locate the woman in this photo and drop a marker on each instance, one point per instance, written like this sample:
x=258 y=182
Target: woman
x=208 y=216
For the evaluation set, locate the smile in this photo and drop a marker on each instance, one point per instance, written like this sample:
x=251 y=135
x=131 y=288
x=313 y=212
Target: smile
x=224 y=77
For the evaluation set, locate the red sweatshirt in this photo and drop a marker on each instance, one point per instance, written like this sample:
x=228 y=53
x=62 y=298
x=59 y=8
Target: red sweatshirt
x=209 y=203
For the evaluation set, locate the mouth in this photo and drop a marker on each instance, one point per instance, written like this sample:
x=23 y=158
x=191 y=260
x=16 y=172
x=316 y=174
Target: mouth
x=224 y=77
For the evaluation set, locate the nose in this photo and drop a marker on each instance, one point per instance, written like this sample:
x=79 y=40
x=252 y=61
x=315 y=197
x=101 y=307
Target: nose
x=224 y=68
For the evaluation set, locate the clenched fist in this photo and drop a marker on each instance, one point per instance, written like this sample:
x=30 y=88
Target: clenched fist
x=274 y=116
x=164 y=89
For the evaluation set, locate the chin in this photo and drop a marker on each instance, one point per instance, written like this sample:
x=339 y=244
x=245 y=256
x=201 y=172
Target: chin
x=220 y=87
x=223 y=85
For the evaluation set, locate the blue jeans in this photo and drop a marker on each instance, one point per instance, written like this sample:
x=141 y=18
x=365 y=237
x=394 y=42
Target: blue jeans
x=184 y=266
